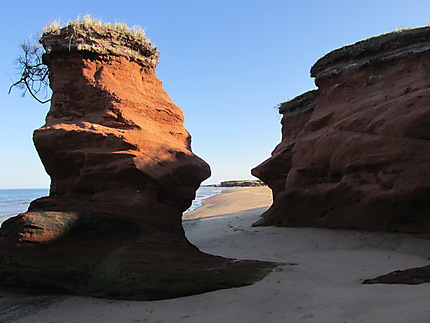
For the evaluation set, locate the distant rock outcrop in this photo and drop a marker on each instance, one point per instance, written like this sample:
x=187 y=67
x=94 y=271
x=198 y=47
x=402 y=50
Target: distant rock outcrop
x=122 y=174
x=355 y=154
x=242 y=183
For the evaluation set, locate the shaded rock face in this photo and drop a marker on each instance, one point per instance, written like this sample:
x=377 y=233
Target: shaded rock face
x=296 y=114
x=361 y=158
x=122 y=174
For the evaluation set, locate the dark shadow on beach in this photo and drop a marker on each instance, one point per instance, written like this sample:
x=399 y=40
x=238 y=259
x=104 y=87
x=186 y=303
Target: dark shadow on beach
x=16 y=304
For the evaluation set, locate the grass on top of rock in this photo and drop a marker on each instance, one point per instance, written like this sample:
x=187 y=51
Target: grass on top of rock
x=88 y=23
x=93 y=35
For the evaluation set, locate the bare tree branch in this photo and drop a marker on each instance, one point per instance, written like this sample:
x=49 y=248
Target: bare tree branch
x=34 y=75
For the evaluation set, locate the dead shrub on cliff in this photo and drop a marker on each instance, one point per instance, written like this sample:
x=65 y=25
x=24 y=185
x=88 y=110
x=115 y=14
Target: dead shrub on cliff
x=33 y=72
x=85 y=34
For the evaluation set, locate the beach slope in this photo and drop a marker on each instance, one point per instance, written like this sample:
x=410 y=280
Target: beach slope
x=320 y=280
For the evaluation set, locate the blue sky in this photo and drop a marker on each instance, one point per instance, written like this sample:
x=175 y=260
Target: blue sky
x=226 y=63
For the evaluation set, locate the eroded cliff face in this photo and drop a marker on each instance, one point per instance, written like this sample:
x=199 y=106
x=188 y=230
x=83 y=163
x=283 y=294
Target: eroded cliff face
x=296 y=114
x=114 y=134
x=361 y=158
x=122 y=174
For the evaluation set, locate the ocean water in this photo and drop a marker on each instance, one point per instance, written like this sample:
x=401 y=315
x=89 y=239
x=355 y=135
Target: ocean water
x=15 y=201
x=203 y=193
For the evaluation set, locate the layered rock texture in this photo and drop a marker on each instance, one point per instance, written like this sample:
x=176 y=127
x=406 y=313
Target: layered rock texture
x=122 y=174
x=355 y=153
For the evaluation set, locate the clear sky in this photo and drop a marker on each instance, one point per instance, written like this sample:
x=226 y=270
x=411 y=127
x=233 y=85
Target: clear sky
x=226 y=63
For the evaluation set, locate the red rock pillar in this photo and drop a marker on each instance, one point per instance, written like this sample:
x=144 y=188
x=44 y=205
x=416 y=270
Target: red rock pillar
x=122 y=174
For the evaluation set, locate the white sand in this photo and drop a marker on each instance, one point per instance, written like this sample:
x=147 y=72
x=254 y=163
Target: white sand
x=321 y=281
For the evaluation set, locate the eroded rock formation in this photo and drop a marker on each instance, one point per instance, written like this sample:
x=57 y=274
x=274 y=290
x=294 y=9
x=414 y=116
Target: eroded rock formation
x=122 y=174
x=413 y=276
x=355 y=154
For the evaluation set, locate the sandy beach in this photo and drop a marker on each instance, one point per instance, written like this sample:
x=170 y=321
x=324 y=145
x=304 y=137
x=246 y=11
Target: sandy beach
x=319 y=281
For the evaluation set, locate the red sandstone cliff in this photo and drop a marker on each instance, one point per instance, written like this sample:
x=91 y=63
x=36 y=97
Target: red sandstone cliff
x=122 y=174
x=356 y=153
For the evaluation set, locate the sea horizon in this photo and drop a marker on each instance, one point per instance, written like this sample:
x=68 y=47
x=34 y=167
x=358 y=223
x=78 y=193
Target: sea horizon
x=14 y=201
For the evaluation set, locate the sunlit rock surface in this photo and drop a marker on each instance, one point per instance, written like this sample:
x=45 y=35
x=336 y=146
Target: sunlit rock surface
x=122 y=174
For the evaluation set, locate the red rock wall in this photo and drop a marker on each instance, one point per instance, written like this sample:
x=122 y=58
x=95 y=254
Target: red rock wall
x=362 y=159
